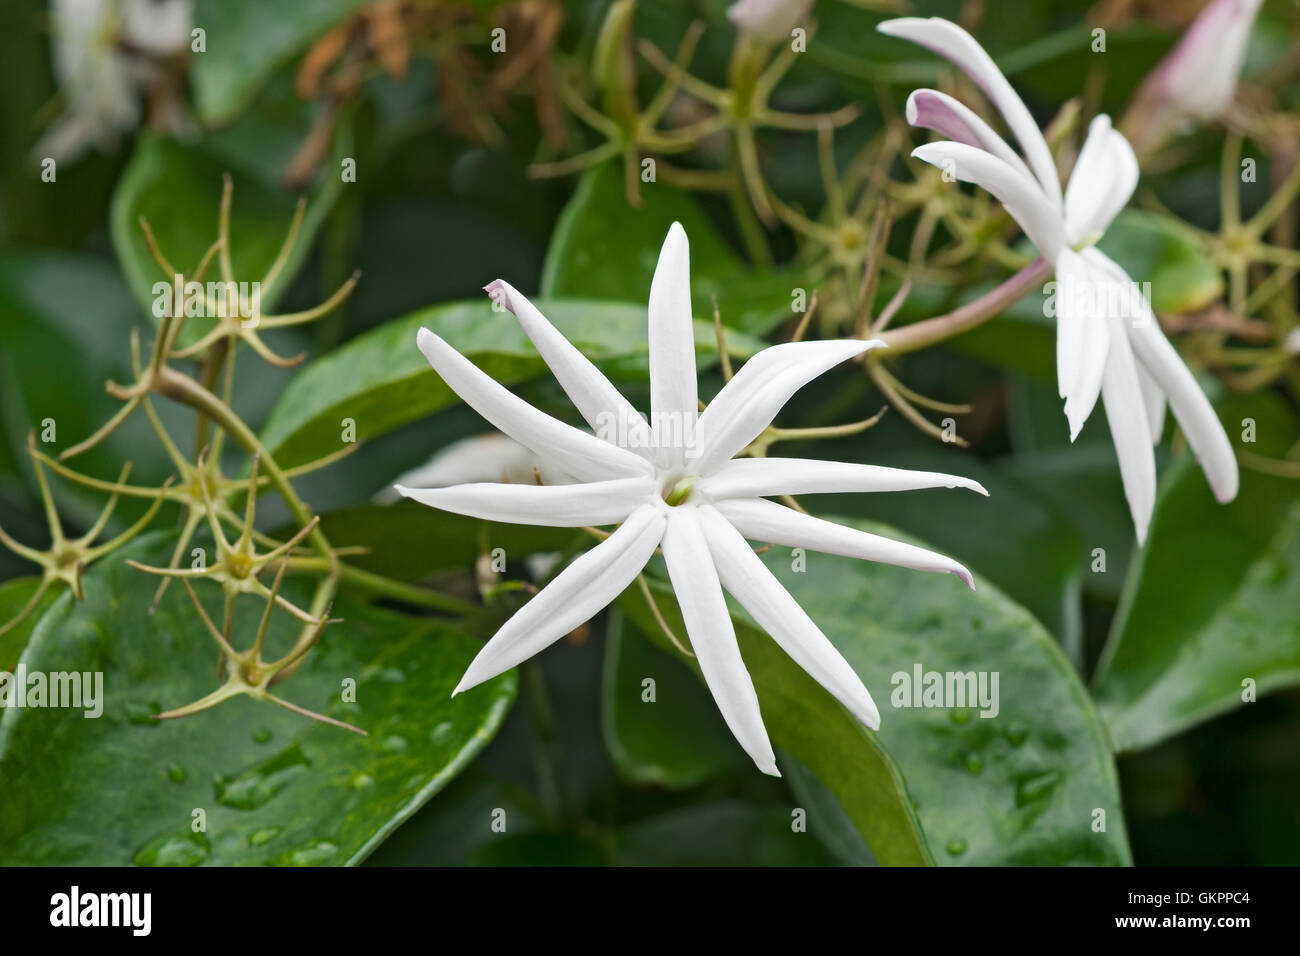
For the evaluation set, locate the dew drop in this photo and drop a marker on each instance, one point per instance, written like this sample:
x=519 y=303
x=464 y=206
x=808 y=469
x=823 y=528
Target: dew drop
x=253 y=787
x=442 y=732
x=263 y=835
x=313 y=854
x=394 y=744
x=974 y=763
x=261 y=735
x=173 y=849
x=1036 y=787
x=960 y=716
x=956 y=847
x=362 y=780
x=176 y=773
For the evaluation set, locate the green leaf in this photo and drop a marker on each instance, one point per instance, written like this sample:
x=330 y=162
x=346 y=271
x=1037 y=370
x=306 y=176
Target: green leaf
x=247 y=41
x=722 y=833
x=1017 y=788
x=674 y=740
x=177 y=188
x=603 y=248
x=380 y=380
x=275 y=787
x=1211 y=600
x=805 y=720
x=14 y=595
x=1042 y=571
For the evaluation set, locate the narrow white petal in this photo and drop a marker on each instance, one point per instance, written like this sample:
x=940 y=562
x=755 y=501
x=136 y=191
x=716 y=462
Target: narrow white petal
x=961 y=49
x=1083 y=335
x=713 y=638
x=595 y=397
x=1042 y=222
x=583 y=455
x=674 y=397
x=748 y=403
x=1195 y=414
x=1104 y=177
x=1153 y=399
x=766 y=477
x=761 y=520
x=948 y=117
x=552 y=506
x=1129 y=428
x=578 y=592
x=777 y=612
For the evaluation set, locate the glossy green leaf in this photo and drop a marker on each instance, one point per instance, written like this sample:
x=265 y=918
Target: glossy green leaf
x=673 y=740
x=1211 y=601
x=246 y=41
x=1019 y=787
x=605 y=249
x=274 y=787
x=380 y=379
x=806 y=721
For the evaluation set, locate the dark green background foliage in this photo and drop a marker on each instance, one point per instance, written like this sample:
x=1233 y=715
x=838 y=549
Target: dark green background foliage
x=1120 y=689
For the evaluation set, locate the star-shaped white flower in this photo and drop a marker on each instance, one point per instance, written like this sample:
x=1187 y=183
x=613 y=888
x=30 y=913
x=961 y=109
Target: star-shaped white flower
x=671 y=483
x=1108 y=341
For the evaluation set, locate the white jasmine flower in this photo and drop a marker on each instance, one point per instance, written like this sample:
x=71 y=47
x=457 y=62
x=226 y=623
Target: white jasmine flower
x=104 y=57
x=1199 y=76
x=769 y=20
x=1108 y=341
x=670 y=483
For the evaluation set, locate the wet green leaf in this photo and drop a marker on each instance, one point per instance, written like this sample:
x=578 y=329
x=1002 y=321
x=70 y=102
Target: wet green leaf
x=274 y=787
x=806 y=721
x=1019 y=787
x=14 y=595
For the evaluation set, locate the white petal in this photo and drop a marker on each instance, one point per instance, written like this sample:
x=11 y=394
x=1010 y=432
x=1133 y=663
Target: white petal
x=1153 y=399
x=1129 y=428
x=1195 y=414
x=1042 y=222
x=582 y=455
x=713 y=638
x=578 y=592
x=766 y=477
x=1104 y=177
x=748 y=403
x=963 y=51
x=948 y=117
x=777 y=612
x=558 y=506
x=761 y=520
x=1083 y=335
x=674 y=397
x=595 y=397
